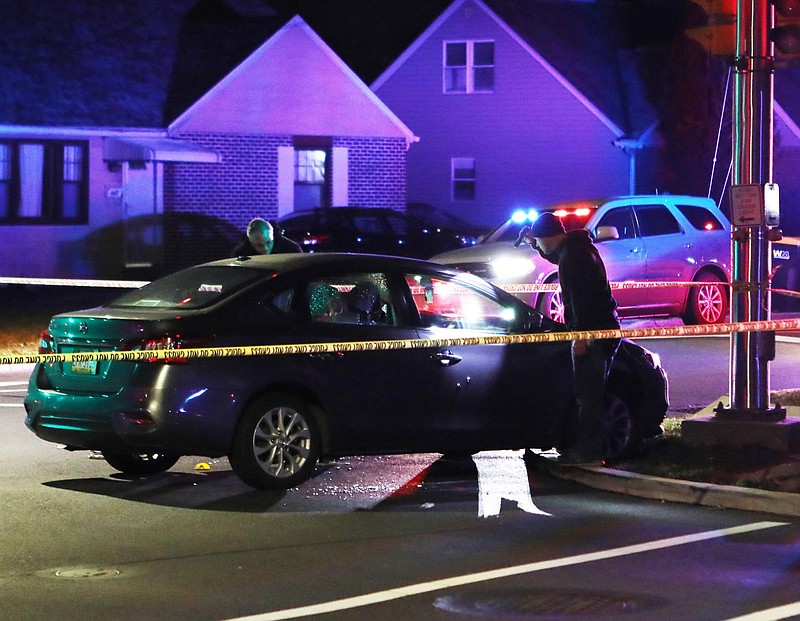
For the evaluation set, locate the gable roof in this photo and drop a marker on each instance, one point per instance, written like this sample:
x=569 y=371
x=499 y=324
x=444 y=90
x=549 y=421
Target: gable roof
x=142 y=64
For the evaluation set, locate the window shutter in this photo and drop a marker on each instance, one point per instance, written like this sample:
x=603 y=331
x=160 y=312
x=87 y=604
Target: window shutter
x=285 y=181
x=339 y=175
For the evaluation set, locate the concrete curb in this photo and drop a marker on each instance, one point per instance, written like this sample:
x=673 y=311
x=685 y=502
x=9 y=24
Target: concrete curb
x=676 y=490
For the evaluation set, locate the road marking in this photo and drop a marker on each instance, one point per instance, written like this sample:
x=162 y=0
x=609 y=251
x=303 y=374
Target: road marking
x=378 y=597
x=773 y=614
x=6 y=384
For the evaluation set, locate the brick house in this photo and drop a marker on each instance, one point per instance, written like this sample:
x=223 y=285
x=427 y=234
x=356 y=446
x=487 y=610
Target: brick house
x=132 y=176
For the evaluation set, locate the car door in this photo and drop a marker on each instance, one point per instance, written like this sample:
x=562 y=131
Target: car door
x=624 y=256
x=374 y=400
x=494 y=396
x=669 y=255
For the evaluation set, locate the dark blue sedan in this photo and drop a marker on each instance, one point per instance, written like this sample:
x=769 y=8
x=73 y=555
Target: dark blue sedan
x=276 y=416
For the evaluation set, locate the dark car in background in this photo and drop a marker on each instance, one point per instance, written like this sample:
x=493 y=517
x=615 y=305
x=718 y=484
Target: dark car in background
x=276 y=416
x=371 y=230
x=642 y=239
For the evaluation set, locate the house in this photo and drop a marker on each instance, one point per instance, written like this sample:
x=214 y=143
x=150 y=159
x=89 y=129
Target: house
x=131 y=146
x=525 y=103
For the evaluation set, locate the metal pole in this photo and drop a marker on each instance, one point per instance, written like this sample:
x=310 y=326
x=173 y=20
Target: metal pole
x=753 y=155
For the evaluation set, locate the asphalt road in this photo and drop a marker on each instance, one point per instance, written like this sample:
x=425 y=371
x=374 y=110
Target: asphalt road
x=405 y=537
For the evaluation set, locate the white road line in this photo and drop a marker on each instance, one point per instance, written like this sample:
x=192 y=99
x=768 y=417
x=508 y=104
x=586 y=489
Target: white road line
x=10 y=405
x=773 y=614
x=6 y=384
x=369 y=599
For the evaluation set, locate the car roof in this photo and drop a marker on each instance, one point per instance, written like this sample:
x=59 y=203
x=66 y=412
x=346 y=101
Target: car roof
x=294 y=261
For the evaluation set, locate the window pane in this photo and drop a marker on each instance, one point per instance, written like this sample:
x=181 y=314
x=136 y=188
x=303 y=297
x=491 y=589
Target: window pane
x=464 y=190
x=310 y=166
x=5 y=162
x=31 y=169
x=622 y=220
x=484 y=79
x=456 y=55
x=455 y=80
x=656 y=220
x=450 y=305
x=73 y=160
x=484 y=53
x=700 y=218
x=5 y=177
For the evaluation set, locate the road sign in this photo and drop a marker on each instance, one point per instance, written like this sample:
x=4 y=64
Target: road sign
x=747 y=205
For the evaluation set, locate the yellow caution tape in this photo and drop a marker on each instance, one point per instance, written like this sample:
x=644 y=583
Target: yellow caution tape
x=776 y=325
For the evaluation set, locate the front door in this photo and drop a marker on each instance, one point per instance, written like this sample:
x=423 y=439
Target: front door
x=142 y=214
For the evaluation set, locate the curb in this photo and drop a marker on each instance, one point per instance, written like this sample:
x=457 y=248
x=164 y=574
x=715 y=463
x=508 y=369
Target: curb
x=677 y=490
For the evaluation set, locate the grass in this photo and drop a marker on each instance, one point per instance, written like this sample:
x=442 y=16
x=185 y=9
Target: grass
x=668 y=456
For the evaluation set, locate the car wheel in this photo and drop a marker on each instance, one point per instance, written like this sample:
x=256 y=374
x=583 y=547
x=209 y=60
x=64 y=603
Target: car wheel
x=141 y=464
x=551 y=305
x=707 y=303
x=277 y=443
x=621 y=436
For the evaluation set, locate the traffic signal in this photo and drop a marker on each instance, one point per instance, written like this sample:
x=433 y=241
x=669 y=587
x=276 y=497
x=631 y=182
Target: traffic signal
x=785 y=35
x=718 y=37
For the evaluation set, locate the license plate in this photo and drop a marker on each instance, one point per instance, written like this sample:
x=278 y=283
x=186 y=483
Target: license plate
x=88 y=367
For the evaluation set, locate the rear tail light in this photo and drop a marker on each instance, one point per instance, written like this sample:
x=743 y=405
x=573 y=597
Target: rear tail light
x=46 y=343
x=170 y=343
x=313 y=240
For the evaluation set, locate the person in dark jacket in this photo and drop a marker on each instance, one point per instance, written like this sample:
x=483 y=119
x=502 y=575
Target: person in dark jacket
x=588 y=305
x=263 y=238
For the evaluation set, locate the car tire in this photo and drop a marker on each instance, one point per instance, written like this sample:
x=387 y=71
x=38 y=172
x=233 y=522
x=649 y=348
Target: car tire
x=621 y=434
x=706 y=303
x=277 y=443
x=551 y=305
x=140 y=464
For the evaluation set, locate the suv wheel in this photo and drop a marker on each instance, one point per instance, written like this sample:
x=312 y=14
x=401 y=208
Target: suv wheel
x=707 y=303
x=551 y=305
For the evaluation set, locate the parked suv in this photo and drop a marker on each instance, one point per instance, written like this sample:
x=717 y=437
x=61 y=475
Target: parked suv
x=641 y=238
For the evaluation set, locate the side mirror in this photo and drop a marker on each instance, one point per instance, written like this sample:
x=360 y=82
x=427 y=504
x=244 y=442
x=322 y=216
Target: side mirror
x=603 y=233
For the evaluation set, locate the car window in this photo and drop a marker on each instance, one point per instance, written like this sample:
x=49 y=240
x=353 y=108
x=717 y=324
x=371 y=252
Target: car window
x=355 y=298
x=193 y=288
x=700 y=218
x=656 y=220
x=368 y=224
x=622 y=219
x=449 y=304
x=399 y=225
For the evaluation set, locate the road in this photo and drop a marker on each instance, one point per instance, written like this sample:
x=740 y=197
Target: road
x=405 y=537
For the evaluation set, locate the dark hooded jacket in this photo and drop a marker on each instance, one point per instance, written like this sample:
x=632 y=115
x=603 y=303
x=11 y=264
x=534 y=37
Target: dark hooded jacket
x=588 y=303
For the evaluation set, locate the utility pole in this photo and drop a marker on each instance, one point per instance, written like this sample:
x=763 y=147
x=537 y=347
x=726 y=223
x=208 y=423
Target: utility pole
x=755 y=41
x=751 y=352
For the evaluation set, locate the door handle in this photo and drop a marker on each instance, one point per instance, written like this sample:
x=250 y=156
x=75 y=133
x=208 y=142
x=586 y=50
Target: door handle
x=446 y=358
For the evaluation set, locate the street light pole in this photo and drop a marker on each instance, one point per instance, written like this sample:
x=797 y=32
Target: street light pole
x=751 y=352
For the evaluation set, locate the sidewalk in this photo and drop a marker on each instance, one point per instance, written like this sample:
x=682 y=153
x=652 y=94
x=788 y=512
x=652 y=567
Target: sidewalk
x=689 y=492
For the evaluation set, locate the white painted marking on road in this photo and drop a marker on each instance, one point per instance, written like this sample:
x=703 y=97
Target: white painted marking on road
x=10 y=405
x=773 y=614
x=378 y=597
x=4 y=384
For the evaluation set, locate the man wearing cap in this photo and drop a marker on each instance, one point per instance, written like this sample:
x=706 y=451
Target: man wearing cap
x=588 y=305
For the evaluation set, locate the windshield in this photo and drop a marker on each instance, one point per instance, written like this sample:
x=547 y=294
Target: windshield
x=193 y=288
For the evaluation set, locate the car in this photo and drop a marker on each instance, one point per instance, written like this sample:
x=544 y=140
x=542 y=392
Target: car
x=666 y=238
x=276 y=416
x=371 y=230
